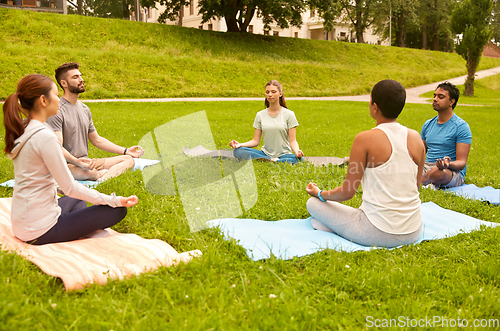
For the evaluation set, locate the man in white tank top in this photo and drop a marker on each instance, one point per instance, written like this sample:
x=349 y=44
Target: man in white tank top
x=388 y=161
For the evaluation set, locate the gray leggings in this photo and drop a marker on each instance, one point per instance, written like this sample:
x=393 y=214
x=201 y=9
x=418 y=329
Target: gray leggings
x=352 y=224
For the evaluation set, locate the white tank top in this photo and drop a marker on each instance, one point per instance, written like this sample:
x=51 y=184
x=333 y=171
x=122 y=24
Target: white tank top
x=390 y=196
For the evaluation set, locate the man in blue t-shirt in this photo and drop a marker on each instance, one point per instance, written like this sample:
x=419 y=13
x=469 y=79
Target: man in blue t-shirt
x=447 y=139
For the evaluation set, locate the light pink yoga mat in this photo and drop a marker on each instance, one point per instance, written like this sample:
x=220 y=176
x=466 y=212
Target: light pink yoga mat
x=92 y=260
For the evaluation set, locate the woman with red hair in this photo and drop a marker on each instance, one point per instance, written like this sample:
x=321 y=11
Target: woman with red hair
x=38 y=216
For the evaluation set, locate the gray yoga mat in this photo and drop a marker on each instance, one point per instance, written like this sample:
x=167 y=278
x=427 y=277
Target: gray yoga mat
x=316 y=160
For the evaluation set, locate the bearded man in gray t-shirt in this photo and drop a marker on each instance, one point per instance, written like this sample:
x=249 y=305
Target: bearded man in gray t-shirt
x=73 y=127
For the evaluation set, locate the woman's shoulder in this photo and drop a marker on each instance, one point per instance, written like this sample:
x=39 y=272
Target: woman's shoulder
x=261 y=114
x=45 y=133
x=287 y=113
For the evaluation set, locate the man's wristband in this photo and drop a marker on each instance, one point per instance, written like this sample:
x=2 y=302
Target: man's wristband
x=125 y=151
x=320 y=197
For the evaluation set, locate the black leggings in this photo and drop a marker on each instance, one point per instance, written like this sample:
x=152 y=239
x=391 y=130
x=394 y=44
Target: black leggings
x=77 y=220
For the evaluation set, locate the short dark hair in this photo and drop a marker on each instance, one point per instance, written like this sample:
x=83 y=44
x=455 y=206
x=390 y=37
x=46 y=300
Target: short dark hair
x=63 y=69
x=453 y=91
x=390 y=97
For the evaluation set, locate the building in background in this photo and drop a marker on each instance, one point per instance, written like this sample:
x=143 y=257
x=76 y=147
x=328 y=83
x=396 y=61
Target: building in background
x=312 y=27
x=53 y=6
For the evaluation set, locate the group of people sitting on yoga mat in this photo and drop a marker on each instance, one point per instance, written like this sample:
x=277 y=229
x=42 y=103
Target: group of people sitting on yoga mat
x=390 y=161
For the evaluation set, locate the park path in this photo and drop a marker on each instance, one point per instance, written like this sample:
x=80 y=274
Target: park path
x=412 y=94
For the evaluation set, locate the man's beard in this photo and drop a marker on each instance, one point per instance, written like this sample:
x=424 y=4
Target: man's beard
x=76 y=89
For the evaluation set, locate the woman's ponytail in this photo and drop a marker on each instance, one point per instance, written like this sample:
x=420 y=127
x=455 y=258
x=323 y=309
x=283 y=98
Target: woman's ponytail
x=282 y=101
x=12 y=121
x=20 y=104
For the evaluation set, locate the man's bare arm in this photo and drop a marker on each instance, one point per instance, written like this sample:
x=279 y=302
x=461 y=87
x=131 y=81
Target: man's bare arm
x=108 y=146
x=461 y=161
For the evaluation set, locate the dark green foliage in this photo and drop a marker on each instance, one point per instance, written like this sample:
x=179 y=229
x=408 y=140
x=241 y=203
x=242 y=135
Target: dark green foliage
x=471 y=19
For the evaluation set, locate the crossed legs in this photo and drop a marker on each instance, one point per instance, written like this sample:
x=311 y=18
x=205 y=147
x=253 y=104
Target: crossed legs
x=245 y=153
x=105 y=168
x=352 y=224
x=438 y=177
x=77 y=220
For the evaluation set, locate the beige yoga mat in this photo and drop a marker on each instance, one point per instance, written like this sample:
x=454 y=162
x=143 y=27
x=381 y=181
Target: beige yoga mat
x=316 y=160
x=92 y=260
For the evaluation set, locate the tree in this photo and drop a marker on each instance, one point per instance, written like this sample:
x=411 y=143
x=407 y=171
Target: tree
x=328 y=10
x=471 y=20
x=395 y=18
x=107 y=8
x=113 y=9
x=435 y=18
x=404 y=14
x=382 y=13
x=239 y=13
x=432 y=28
x=360 y=14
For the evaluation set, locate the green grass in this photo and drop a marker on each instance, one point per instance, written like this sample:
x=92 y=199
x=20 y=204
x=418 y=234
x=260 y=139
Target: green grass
x=224 y=289
x=123 y=59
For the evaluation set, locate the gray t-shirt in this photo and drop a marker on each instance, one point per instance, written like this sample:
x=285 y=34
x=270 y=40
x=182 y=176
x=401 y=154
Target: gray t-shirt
x=275 y=131
x=75 y=123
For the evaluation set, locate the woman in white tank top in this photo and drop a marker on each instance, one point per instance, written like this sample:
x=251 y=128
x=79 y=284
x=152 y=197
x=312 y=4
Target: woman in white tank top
x=388 y=162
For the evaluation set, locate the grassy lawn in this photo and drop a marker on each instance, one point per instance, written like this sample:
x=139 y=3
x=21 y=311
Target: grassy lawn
x=123 y=59
x=452 y=278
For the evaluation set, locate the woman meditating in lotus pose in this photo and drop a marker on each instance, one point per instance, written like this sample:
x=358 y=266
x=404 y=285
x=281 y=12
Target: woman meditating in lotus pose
x=277 y=124
x=388 y=162
x=37 y=216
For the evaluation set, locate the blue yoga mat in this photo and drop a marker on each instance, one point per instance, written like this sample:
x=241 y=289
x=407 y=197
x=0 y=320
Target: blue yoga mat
x=296 y=237
x=471 y=191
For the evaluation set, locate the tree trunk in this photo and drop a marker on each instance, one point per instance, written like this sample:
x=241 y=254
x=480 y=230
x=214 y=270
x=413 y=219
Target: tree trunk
x=359 y=34
x=80 y=7
x=359 y=23
x=471 y=73
x=436 y=36
x=126 y=12
x=232 y=23
x=230 y=16
x=400 y=35
x=181 y=16
x=435 y=26
x=247 y=18
x=424 y=36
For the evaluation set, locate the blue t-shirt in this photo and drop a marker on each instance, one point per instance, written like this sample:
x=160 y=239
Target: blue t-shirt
x=442 y=139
